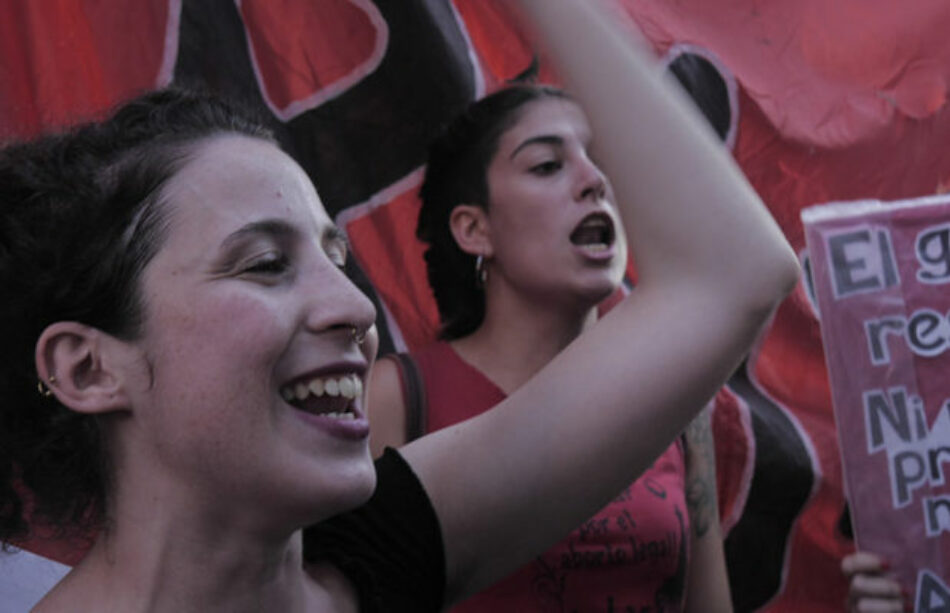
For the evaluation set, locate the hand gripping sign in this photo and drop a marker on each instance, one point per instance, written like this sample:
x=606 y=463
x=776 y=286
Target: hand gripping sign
x=881 y=275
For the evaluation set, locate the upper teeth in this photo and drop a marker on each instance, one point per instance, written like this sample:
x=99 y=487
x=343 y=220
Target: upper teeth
x=348 y=386
x=592 y=231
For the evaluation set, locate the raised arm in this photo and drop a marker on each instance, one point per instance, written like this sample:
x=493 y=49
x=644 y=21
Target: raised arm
x=712 y=266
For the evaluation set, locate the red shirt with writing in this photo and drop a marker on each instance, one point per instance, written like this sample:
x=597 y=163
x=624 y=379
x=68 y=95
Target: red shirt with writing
x=631 y=556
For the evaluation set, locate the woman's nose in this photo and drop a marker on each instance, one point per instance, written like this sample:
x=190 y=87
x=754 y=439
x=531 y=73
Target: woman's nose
x=339 y=303
x=592 y=184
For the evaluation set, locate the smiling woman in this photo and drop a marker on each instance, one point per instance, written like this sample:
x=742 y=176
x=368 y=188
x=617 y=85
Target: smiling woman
x=248 y=285
x=183 y=356
x=57 y=192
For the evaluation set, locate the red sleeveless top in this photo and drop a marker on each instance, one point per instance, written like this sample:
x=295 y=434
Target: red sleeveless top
x=631 y=556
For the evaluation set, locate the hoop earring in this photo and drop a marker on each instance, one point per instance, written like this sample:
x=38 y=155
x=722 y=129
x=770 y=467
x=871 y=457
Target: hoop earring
x=481 y=271
x=44 y=388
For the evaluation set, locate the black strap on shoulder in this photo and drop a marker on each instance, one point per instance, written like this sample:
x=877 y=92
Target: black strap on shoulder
x=415 y=395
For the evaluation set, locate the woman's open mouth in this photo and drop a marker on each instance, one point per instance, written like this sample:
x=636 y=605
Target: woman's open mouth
x=595 y=235
x=329 y=396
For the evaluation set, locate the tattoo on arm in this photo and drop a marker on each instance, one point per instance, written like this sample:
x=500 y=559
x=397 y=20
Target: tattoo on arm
x=701 y=474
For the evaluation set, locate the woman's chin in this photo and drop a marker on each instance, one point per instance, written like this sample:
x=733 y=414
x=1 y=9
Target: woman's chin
x=594 y=292
x=332 y=486
x=353 y=486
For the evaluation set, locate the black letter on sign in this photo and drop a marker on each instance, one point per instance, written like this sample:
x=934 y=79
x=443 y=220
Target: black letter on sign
x=860 y=274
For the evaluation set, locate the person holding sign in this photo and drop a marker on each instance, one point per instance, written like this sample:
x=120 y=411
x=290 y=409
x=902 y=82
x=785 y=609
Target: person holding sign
x=880 y=272
x=871 y=589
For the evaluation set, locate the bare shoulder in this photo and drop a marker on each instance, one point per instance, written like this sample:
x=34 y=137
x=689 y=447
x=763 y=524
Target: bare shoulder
x=387 y=407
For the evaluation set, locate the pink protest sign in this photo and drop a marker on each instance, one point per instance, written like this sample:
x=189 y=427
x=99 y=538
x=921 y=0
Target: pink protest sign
x=881 y=277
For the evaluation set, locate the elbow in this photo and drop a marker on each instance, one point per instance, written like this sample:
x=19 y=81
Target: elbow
x=785 y=274
x=788 y=273
x=777 y=277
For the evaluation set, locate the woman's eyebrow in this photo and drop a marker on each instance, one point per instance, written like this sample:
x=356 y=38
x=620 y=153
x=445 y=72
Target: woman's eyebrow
x=276 y=228
x=543 y=139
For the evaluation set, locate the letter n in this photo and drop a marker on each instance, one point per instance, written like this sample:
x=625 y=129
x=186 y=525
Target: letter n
x=877 y=411
x=935 y=521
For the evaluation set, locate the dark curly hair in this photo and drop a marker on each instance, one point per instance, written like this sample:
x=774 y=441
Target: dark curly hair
x=456 y=174
x=81 y=215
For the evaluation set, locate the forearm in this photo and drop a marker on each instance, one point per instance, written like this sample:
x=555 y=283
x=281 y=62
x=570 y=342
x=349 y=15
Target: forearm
x=707 y=588
x=712 y=265
x=669 y=171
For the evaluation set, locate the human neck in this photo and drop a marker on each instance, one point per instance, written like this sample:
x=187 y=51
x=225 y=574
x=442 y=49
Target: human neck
x=176 y=575
x=177 y=562
x=518 y=338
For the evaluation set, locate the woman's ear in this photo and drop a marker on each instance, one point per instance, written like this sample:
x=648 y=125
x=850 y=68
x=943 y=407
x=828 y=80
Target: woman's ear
x=82 y=367
x=471 y=229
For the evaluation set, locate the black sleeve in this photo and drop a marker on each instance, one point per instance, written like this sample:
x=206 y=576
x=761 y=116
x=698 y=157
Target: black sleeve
x=391 y=547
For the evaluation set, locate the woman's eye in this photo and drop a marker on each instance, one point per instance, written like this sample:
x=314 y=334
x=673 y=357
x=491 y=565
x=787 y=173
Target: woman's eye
x=338 y=257
x=546 y=168
x=336 y=251
x=268 y=265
